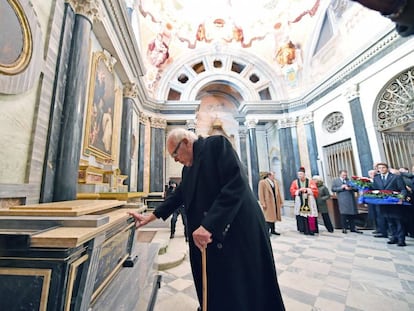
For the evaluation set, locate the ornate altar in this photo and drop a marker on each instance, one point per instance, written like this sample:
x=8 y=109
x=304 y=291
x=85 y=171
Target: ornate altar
x=74 y=255
x=93 y=179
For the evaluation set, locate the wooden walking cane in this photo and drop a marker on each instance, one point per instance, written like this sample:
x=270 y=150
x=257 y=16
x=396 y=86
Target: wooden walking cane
x=204 y=273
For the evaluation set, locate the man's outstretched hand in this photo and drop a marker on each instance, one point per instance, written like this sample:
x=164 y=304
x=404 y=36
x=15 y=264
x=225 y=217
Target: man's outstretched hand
x=142 y=219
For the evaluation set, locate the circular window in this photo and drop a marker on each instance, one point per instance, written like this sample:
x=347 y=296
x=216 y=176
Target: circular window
x=333 y=122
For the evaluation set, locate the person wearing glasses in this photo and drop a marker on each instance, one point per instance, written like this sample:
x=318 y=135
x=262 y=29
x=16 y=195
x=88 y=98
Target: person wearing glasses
x=225 y=219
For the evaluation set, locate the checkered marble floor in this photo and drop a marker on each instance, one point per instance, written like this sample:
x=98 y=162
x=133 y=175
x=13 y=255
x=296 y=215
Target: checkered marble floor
x=326 y=272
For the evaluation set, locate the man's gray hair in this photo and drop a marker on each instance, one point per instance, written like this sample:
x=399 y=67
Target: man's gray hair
x=178 y=134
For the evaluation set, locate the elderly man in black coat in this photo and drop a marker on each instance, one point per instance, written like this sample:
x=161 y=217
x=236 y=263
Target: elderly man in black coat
x=393 y=213
x=224 y=218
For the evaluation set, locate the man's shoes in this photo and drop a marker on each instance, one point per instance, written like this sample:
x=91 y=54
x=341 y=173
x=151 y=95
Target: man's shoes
x=172 y=236
x=375 y=232
x=275 y=233
x=380 y=236
x=402 y=244
x=357 y=231
x=392 y=242
x=344 y=231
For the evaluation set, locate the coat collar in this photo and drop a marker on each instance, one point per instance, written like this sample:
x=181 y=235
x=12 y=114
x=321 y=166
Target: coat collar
x=190 y=173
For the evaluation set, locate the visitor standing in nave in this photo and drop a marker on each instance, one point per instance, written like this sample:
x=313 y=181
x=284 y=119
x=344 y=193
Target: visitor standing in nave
x=304 y=191
x=321 y=201
x=271 y=200
x=393 y=213
x=225 y=221
x=345 y=195
x=408 y=178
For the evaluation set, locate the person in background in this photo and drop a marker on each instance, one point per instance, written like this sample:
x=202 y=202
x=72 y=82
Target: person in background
x=271 y=200
x=346 y=201
x=374 y=213
x=304 y=191
x=393 y=213
x=179 y=211
x=408 y=178
x=225 y=222
x=323 y=196
x=401 y=12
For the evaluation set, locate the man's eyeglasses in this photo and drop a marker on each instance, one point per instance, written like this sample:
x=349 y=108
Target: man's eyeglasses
x=174 y=153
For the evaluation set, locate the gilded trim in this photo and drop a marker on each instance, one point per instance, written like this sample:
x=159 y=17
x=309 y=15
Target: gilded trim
x=26 y=54
x=45 y=273
x=71 y=279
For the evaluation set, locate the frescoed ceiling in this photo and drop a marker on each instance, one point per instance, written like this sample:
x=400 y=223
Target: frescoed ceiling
x=300 y=40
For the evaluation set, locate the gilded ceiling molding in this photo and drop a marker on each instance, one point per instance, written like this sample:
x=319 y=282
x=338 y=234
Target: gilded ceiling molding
x=307 y=118
x=251 y=123
x=88 y=8
x=130 y=90
x=287 y=122
x=143 y=118
x=351 y=92
x=159 y=123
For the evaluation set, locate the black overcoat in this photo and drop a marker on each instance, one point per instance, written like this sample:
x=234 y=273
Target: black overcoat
x=216 y=194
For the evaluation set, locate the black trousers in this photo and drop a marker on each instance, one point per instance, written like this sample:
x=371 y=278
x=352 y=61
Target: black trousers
x=271 y=226
x=174 y=217
x=348 y=221
x=327 y=222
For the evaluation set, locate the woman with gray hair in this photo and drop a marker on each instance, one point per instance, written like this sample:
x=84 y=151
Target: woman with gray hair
x=323 y=196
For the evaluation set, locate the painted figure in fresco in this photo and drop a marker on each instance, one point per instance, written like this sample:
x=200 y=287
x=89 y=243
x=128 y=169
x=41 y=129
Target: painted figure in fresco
x=158 y=51
x=286 y=54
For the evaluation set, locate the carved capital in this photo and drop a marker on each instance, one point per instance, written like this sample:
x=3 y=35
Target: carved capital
x=143 y=118
x=158 y=123
x=351 y=92
x=287 y=122
x=251 y=123
x=130 y=90
x=307 y=118
x=87 y=8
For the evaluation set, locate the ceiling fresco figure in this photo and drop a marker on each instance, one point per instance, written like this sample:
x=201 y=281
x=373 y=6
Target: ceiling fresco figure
x=275 y=29
x=224 y=23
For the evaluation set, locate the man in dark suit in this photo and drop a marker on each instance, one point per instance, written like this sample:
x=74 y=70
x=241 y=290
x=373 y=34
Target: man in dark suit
x=225 y=220
x=346 y=201
x=393 y=213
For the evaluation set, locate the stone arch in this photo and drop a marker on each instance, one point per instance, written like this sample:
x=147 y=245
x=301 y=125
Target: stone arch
x=249 y=75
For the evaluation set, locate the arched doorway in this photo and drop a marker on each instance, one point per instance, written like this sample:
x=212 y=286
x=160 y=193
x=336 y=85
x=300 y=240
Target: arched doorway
x=395 y=119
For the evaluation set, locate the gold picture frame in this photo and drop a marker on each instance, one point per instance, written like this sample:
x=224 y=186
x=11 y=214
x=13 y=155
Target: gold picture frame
x=102 y=117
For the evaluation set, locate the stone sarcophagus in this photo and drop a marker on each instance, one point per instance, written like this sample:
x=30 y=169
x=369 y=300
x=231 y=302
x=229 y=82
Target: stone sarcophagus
x=74 y=255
